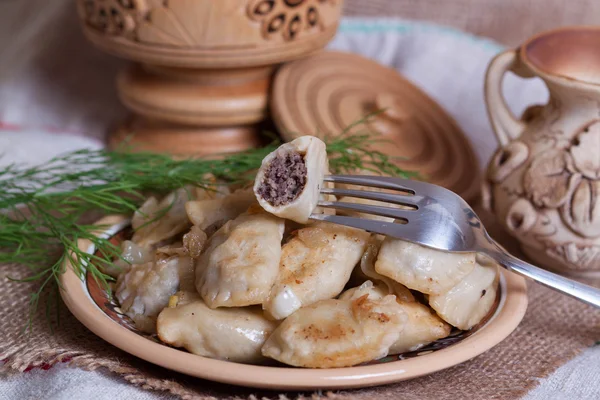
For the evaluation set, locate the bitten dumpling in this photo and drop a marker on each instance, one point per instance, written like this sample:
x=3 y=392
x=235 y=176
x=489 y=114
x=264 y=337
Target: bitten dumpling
x=421 y=268
x=144 y=290
x=316 y=264
x=290 y=179
x=422 y=327
x=338 y=333
x=470 y=300
x=233 y=334
x=241 y=262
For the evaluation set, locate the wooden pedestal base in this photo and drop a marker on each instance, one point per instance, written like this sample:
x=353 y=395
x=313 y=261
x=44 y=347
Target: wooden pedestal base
x=144 y=134
x=193 y=112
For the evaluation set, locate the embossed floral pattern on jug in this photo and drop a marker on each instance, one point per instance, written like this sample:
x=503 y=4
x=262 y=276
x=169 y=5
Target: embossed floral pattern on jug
x=543 y=183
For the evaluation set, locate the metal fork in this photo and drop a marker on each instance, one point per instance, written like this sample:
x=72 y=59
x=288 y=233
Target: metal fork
x=439 y=219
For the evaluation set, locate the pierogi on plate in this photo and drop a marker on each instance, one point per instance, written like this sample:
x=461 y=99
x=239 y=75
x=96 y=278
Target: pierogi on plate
x=246 y=276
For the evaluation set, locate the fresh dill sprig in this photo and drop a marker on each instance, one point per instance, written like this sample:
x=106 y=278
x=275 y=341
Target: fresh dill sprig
x=43 y=208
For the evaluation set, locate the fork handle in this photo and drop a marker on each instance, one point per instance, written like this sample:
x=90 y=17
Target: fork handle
x=585 y=293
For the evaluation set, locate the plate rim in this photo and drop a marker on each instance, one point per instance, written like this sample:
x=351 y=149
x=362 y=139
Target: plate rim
x=510 y=312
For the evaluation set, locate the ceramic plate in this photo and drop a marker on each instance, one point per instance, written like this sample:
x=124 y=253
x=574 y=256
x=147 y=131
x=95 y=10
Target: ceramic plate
x=97 y=311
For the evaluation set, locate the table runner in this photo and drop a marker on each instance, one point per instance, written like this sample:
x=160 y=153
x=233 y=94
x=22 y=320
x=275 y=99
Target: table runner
x=554 y=329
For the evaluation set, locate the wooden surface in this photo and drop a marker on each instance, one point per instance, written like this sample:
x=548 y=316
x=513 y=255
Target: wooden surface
x=327 y=92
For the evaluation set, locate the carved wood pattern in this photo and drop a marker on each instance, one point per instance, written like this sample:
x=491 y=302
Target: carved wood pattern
x=287 y=18
x=207 y=23
x=556 y=210
x=113 y=17
x=543 y=184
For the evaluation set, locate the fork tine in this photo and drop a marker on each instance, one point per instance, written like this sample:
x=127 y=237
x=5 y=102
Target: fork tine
x=383 y=182
x=379 y=196
x=369 y=209
x=369 y=225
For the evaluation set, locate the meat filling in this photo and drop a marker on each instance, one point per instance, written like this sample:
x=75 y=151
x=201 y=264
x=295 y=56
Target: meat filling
x=284 y=179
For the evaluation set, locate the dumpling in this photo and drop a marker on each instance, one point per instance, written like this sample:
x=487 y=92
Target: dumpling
x=131 y=254
x=210 y=215
x=157 y=221
x=241 y=262
x=366 y=271
x=144 y=290
x=470 y=300
x=316 y=264
x=290 y=179
x=337 y=333
x=422 y=327
x=233 y=334
x=423 y=269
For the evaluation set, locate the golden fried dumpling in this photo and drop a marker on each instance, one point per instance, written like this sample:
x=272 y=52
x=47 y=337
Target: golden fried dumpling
x=421 y=268
x=316 y=264
x=470 y=300
x=144 y=290
x=241 y=262
x=290 y=179
x=422 y=327
x=338 y=332
x=233 y=334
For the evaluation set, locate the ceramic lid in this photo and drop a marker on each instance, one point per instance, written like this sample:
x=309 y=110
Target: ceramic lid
x=327 y=92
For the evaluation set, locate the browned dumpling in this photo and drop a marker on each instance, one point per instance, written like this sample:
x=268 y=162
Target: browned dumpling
x=423 y=326
x=316 y=264
x=338 y=332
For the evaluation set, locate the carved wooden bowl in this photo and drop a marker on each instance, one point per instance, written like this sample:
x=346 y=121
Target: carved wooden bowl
x=207 y=33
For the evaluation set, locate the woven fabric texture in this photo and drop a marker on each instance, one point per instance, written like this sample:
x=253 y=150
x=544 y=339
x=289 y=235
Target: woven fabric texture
x=507 y=21
x=554 y=330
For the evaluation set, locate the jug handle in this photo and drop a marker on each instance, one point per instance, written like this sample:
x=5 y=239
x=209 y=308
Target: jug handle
x=506 y=126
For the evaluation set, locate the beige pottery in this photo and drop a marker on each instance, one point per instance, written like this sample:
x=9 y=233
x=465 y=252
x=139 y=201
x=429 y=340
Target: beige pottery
x=543 y=183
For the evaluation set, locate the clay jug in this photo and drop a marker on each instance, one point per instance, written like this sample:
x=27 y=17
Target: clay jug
x=543 y=183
